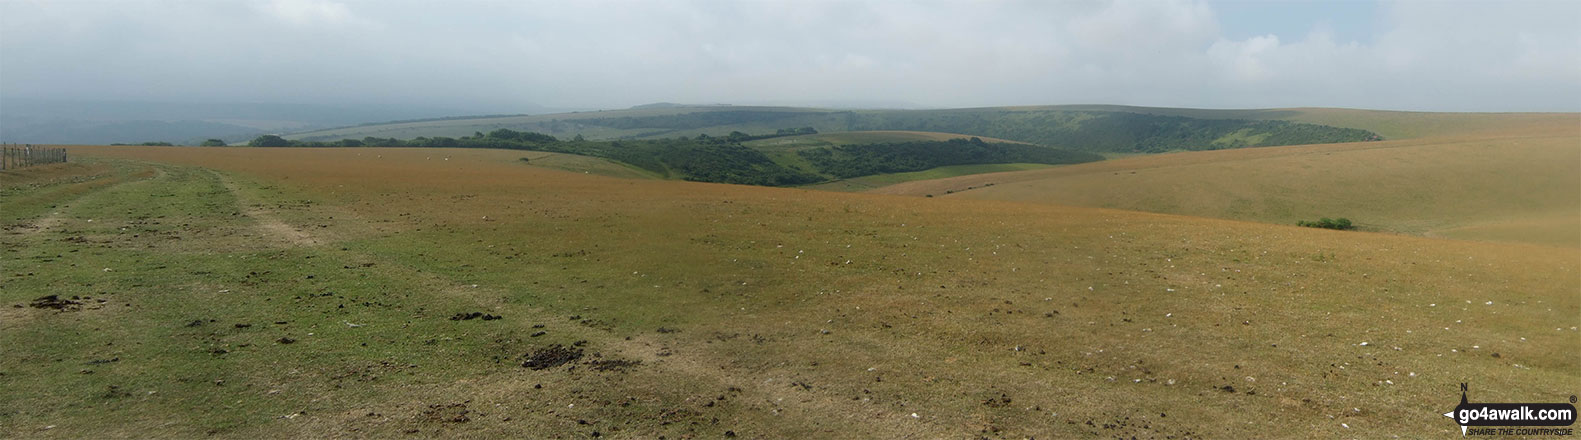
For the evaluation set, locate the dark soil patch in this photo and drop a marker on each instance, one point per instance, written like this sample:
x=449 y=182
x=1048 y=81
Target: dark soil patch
x=472 y=316
x=57 y=303
x=997 y=402
x=552 y=356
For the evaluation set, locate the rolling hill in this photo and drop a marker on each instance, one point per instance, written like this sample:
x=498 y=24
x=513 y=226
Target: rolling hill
x=389 y=292
x=667 y=140
x=1081 y=128
x=1508 y=177
x=727 y=159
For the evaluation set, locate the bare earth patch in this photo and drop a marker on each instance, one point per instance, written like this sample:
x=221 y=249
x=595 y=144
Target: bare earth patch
x=270 y=225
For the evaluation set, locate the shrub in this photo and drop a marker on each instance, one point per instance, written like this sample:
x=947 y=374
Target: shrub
x=1342 y=224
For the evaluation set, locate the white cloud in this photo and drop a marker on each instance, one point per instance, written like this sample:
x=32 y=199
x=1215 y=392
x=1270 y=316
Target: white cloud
x=1426 y=55
x=311 y=12
x=1243 y=60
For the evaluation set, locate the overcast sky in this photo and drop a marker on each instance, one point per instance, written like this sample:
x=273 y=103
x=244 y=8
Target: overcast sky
x=506 y=56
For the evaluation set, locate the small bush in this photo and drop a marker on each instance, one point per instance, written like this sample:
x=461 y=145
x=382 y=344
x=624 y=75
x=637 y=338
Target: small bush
x=1342 y=224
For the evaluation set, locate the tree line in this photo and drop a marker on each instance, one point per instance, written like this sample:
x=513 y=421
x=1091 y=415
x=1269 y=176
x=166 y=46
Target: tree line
x=723 y=159
x=847 y=161
x=1085 y=130
x=702 y=158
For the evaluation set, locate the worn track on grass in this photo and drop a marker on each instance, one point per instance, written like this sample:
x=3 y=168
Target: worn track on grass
x=816 y=405
x=761 y=312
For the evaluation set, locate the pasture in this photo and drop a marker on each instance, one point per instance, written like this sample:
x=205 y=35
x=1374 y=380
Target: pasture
x=1497 y=177
x=859 y=137
x=243 y=293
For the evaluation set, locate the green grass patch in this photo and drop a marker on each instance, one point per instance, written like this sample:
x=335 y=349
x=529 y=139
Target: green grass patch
x=881 y=180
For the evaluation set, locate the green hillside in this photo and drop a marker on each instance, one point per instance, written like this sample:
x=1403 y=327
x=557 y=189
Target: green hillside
x=1099 y=129
x=727 y=160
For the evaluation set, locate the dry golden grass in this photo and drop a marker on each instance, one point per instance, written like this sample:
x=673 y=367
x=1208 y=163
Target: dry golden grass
x=1402 y=125
x=585 y=165
x=1509 y=179
x=807 y=314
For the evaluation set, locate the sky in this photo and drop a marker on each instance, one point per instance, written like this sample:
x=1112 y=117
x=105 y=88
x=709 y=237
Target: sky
x=516 y=56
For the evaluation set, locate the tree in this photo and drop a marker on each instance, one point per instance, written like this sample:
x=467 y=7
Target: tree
x=269 y=140
x=212 y=143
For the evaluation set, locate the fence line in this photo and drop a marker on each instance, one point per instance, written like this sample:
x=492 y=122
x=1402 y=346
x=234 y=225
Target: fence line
x=20 y=157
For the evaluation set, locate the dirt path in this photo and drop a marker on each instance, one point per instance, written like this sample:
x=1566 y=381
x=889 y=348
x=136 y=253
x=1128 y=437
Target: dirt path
x=76 y=193
x=51 y=221
x=269 y=225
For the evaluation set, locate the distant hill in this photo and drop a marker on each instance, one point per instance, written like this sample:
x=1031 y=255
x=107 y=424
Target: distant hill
x=79 y=132
x=730 y=159
x=1102 y=129
x=42 y=121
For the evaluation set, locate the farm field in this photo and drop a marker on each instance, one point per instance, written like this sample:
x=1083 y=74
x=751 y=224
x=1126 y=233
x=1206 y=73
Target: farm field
x=866 y=183
x=859 y=137
x=1499 y=177
x=377 y=292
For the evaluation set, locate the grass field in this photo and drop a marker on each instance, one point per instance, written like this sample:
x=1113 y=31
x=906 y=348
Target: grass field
x=867 y=183
x=1506 y=178
x=586 y=165
x=244 y=293
x=1390 y=124
x=783 y=150
x=859 y=137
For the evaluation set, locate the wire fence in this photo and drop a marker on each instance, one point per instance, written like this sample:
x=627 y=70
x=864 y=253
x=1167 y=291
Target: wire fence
x=21 y=157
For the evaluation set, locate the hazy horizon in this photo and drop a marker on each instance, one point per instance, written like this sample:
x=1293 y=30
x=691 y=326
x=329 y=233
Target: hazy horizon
x=490 y=57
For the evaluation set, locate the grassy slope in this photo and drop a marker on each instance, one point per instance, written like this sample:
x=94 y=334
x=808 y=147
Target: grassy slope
x=868 y=183
x=794 y=313
x=586 y=165
x=859 y=137
x=783 y=150
x=1389 y=124
x=568 y=126
x=1502 y=177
